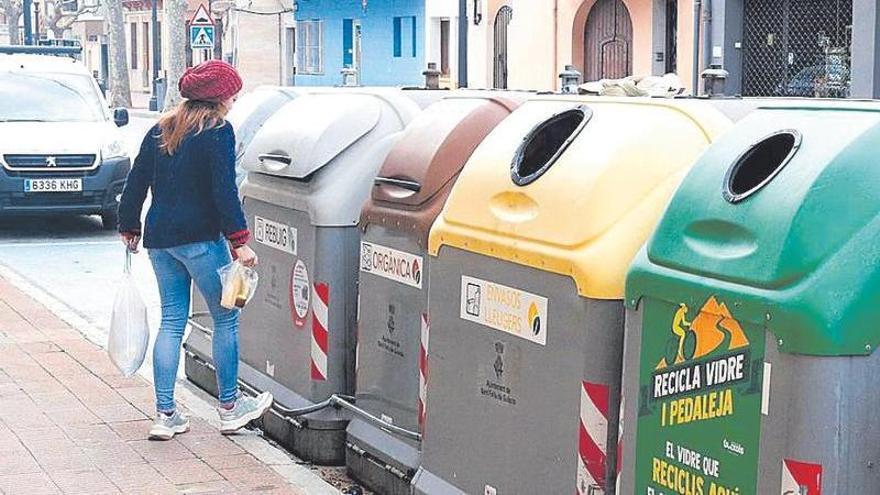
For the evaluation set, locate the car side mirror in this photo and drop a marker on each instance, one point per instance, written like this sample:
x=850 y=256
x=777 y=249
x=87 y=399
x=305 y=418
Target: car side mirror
x=120 y=116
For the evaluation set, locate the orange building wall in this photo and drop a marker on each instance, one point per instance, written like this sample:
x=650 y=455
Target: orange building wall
x=546 y=35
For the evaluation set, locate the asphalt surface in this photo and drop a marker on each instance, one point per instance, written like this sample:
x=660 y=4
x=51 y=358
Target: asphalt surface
x=74 y=259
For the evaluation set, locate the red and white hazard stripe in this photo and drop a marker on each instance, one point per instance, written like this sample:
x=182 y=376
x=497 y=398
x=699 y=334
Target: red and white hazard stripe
x=619 y=444
x=423 y=370
x=593 y=437
x=320 y=334
x=798 y=475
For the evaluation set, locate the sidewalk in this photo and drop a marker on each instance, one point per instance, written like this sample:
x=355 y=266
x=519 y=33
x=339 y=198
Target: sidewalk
x=70 y=423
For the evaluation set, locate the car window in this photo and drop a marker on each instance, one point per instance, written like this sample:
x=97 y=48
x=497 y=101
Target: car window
x=44 y=97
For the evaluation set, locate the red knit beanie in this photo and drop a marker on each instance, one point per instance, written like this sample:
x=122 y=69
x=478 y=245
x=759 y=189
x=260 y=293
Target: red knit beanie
x=213 y=81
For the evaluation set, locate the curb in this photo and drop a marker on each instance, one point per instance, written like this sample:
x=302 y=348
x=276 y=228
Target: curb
x=284 y=464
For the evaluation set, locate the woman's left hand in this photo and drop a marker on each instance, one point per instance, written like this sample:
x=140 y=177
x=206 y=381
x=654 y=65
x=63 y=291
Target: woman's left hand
x=246 y=256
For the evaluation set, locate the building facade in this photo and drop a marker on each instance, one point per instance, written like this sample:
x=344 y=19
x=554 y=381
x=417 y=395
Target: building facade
x=770 y=47
x=382 y=40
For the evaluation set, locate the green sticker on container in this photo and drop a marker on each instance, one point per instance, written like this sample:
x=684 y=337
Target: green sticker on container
x=699 y=401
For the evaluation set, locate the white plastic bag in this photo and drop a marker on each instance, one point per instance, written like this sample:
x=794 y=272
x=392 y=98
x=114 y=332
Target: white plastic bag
x=239 y=284
x=129 y=328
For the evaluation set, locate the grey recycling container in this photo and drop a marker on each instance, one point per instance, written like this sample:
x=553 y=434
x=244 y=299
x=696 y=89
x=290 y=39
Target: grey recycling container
x=250 y=112
x=750 y=362
x=526 y=271
x=310 y=169
x=393 y=325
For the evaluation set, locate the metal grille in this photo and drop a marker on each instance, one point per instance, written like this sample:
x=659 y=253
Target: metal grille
x=797 y=48
x=502 y=20
x=49 y=163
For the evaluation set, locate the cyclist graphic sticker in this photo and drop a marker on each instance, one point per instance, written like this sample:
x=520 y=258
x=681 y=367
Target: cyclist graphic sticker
x=699 y=401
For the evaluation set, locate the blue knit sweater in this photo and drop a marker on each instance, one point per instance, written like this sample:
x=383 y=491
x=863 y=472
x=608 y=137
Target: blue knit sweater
x=194 y=193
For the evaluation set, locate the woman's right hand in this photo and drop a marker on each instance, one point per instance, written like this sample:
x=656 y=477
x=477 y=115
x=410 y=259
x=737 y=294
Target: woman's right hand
x=246 y=256
x=131 y=241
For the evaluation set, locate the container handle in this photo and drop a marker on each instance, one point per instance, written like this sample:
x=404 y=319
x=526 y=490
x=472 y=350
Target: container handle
x=409 y=185
x=276 y=157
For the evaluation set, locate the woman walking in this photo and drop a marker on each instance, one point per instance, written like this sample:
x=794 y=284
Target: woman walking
x=187 y=161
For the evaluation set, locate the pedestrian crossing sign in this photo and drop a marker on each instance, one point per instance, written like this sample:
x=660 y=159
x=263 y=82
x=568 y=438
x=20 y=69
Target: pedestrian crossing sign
x=201 y=36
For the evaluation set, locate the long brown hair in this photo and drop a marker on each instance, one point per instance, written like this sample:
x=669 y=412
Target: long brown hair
x=190 y=116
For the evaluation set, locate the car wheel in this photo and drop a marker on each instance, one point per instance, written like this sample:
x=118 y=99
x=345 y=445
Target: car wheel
x=109 y=220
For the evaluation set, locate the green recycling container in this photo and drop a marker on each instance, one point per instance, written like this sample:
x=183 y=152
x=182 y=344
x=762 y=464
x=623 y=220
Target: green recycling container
x=751 y=328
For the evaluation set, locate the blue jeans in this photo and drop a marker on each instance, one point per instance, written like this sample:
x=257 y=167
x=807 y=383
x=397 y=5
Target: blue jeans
x=176 y=268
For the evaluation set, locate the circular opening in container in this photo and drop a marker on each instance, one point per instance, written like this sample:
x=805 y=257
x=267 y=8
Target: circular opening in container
x=545 y=144
x=760 y=164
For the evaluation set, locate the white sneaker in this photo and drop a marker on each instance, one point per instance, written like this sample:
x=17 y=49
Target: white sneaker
x=245 y=410
x=165 y=427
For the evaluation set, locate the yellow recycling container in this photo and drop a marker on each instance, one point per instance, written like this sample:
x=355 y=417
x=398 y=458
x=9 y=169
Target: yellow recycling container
x=526 y=289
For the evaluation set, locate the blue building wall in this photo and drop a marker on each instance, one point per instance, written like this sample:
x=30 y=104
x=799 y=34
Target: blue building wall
x=379 y=65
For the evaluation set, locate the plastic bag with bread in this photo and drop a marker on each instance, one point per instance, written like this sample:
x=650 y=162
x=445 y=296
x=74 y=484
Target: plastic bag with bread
x=239 y=284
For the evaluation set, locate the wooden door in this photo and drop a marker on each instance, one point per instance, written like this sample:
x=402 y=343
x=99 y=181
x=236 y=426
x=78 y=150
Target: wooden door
x=608 y=41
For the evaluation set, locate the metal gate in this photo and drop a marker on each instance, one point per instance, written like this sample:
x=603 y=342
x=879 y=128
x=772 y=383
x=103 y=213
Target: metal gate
x=608 y=41
x=502 y=20
x=797 y=47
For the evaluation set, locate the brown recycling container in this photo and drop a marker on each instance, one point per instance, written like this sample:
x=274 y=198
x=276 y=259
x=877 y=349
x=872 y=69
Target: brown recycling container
x=384 y=439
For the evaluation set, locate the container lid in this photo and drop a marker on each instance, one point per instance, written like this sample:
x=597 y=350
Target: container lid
x=252 y=109
x=574 y=185
x=418 y=173
x=435 y=146
x=780 y=217
x=310 y=131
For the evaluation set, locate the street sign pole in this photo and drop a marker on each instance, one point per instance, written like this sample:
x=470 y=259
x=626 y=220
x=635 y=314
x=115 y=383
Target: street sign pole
x=201 y=31
x=26 y=7
x=154 y=98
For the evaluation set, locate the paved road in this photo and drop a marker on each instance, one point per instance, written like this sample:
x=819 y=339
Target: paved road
x=72 y=258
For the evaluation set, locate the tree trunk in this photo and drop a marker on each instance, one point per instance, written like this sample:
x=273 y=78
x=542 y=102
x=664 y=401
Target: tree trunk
x=14 y=33
x=12 y=11
x=175 y=20
x=120 y=87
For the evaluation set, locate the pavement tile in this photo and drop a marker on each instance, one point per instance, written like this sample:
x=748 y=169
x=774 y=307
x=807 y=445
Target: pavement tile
x=71 y=423
x=134 y=476
x=18 y=463
x=91 y=435
x=42 y=386
x=39 y=347
x=187 y=471
x=254 y=479
x=77 y=415
x=163 y=488
x=236 y=461
x=88 y=481
x=26 y=419
x=214 y=445
x=131 y=430
x=137 y=394
x=113 y=454
x=53 y=401
x=154 y=451
x=27 y=484
x=118 y=412
x=207 y=487
x=200 y=427
x=52 y=463
x=44 y=435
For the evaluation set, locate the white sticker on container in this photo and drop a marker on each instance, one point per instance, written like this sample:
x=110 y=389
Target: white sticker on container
x=300 y=291
x=392 y=264
x=765 y=391
x=504 y=308
x=275 y=235
x=490 y=490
